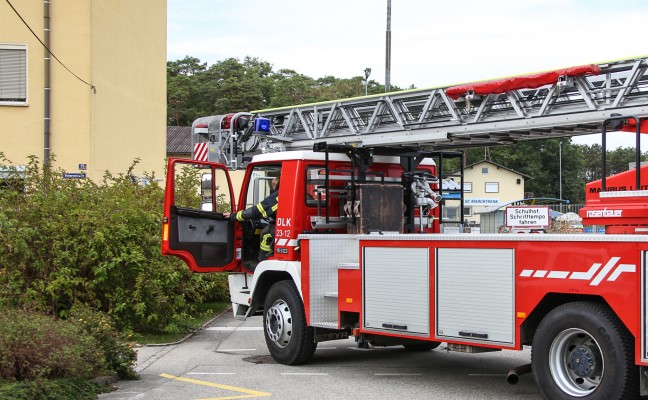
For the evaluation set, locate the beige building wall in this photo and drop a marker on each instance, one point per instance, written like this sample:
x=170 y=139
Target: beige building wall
x=484 y=177
x=119 y=47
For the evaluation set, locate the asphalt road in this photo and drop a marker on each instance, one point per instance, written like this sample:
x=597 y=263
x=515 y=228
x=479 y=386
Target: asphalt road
x=229 y=360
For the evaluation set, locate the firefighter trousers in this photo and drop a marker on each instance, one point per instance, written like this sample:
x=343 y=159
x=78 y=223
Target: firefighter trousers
x=267 y=241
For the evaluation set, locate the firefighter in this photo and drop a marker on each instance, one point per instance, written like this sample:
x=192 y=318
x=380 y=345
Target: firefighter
x=266 y=209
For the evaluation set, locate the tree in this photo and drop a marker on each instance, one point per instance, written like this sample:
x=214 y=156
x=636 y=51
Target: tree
x=592 y=162
x=182 y=90
x=619 y=159
x=292 y=88
x=188 y=66
x=232 y=86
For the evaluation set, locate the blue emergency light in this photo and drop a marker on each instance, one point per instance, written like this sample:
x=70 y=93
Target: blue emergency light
x=262 y=125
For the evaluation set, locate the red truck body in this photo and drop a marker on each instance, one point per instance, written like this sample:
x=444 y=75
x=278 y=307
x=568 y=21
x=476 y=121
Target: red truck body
x=361 y=247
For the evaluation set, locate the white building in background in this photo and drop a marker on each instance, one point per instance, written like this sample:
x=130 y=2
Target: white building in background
x=487 y=184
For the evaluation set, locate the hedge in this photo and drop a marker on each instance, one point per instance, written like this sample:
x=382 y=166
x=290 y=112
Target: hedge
x=74 y=241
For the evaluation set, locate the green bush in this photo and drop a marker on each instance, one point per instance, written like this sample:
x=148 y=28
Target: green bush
x=34 y=346
x=61 y=389
x=116 y=355
x=71 y=241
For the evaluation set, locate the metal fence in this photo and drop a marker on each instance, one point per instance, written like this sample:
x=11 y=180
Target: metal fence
x=565 y=208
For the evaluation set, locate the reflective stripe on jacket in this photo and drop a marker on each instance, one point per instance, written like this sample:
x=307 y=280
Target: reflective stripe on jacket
x=265 y=209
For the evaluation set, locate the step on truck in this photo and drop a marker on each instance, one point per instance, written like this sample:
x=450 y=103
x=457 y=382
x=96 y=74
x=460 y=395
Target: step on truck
x=365 y=245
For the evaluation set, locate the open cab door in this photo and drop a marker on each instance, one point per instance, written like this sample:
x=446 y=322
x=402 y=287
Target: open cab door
x=194 y=228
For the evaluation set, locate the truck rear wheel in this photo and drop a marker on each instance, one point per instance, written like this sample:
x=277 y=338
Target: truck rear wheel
x=581 y=349
x=288 y=338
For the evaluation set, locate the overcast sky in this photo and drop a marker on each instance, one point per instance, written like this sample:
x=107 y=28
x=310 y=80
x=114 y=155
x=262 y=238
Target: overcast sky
x=434 y=43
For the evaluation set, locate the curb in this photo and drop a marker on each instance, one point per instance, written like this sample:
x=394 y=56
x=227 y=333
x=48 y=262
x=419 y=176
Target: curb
x=190 y=334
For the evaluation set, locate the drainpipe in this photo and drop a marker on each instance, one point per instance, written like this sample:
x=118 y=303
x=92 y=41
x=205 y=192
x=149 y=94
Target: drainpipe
x=47 y=68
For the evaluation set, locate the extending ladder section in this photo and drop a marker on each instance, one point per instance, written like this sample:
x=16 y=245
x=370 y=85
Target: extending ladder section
x=568 y=102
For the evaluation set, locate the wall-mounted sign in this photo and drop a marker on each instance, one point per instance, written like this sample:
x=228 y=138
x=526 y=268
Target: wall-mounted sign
x=83 y=167
x=479 y=201
x=74 y=175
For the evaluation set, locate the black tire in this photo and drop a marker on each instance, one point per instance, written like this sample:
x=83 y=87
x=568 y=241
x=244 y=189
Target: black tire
x=288 y=338
x=422 y=346
x=582 y=350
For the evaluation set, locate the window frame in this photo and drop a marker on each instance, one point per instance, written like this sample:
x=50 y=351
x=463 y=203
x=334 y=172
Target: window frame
x=467 y=187
x=312 y=202
x=261 y=175
x=486 y=185
x=20 y=47
x=450 y=212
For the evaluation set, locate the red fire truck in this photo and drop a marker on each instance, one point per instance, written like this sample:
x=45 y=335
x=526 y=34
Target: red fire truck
x=363 y=246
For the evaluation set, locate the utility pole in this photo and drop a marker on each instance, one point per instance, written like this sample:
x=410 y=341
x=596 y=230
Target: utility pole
x=388 y=50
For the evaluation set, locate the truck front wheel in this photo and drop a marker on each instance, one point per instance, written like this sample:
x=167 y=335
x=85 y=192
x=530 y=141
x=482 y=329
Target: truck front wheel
x=287 y=336
x=581 y=349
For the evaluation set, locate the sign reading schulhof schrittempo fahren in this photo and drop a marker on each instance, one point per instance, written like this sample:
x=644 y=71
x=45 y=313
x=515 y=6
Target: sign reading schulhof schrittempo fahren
x=527 y=217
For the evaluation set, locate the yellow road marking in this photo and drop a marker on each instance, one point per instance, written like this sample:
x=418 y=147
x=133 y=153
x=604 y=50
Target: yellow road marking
x=249 y=393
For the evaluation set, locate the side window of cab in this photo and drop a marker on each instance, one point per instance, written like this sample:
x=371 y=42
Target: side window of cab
x=260 y=184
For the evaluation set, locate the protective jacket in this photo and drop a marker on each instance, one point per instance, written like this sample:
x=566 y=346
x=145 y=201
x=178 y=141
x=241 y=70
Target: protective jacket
x=266 y=209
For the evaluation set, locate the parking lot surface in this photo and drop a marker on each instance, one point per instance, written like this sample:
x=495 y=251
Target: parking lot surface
x=229 y=360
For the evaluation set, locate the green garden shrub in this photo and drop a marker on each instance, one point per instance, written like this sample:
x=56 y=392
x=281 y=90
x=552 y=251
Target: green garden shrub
x=35 y=346
x=42 y=389
x=116 y=354
x=75 y=241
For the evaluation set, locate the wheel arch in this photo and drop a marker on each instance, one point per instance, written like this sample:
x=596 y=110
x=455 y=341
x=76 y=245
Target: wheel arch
x=264 y=284
x=549 y=302
x=267 y=274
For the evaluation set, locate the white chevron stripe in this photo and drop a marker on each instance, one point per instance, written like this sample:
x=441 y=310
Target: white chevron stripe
x=606 y=270
x=558 y=274
x=600 y=276
x=586 y=276
x=621 y=269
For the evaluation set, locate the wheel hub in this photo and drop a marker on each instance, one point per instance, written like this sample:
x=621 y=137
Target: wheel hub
x=583 y=362
x=576 y=362
x=278 y=323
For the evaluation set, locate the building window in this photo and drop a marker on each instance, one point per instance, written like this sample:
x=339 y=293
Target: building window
x=451 y=213
x=492 y=187
x=467 y=187
x=484 y=170
x=12 y=178
x=13 y=74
